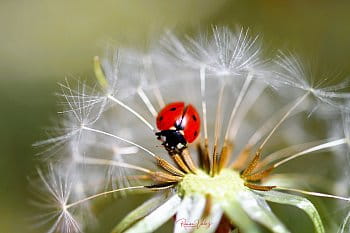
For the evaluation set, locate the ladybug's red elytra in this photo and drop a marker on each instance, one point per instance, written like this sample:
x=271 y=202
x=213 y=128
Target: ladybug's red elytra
x=178 y=125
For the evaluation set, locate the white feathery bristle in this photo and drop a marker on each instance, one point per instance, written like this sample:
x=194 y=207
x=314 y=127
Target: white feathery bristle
x=53 y=193
x=223 y=53
x=118 y=177
x=84 y=104
x=292 y=71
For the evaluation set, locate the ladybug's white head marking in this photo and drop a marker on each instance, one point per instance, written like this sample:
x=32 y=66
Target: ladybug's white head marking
x=180 y=146
x=163 y=138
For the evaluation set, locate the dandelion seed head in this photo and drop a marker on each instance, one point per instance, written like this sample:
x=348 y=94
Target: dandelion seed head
x=256 y=117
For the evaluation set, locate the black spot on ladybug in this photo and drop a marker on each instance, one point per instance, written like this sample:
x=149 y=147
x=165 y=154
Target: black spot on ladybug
x=194 y=117
x=195 y=133
x=160 y=118
x=173 y=109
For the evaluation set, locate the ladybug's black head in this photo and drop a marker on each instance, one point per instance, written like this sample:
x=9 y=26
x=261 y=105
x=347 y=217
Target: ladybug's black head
x=173 y=140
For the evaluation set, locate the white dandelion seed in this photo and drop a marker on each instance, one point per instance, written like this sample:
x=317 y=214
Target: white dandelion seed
x=54 y=195
x=222 y=53
x=294 y=73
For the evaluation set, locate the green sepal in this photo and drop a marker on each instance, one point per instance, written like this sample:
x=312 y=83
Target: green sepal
x=297 y=201
x=157 y=217
x=259 y=211
x=139 y=213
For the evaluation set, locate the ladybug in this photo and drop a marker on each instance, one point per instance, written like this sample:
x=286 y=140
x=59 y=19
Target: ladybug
x=178 y=125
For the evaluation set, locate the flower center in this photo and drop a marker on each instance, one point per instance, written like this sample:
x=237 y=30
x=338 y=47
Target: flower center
x=221 y=186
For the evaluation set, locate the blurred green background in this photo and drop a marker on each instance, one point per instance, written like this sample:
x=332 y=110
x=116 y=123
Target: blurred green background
x=43 y=41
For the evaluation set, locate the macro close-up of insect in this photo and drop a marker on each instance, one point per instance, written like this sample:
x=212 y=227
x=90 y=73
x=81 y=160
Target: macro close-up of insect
x=201 y=117
x=216 y=170
x=178 y=125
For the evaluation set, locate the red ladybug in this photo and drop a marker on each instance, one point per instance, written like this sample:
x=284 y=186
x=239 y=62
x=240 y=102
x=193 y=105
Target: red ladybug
x=178 y=125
